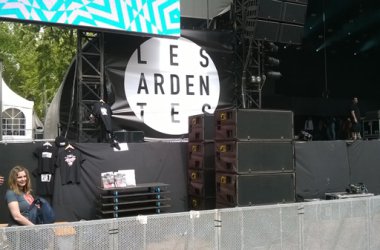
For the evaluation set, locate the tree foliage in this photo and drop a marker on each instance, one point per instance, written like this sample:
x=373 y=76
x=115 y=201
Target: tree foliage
x=35 y=60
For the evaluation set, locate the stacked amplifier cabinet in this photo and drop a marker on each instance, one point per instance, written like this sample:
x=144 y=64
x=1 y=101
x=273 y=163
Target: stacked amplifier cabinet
x=254 y=157
x=201 y=162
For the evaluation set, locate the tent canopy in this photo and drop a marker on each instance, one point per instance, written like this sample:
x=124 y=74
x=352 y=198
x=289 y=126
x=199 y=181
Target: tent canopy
x=17 y=115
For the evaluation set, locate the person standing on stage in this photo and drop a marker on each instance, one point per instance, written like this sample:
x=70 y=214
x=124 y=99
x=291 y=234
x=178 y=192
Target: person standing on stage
x=1 y=180
x=355 y=119
x=102 y=112
x=309 y=126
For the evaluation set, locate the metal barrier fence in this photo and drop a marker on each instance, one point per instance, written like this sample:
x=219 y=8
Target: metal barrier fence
x=331 y=224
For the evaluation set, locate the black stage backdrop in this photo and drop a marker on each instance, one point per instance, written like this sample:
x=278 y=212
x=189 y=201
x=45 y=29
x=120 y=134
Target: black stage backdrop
x=321 y=166
x=118 y=51
x=330 y=166
x=152 y=161
x=364 y=159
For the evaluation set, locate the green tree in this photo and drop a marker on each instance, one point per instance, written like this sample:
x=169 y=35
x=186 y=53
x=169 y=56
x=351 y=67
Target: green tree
x=35 y=59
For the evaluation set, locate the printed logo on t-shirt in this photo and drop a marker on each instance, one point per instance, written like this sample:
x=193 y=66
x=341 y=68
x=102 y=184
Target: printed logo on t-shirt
x=46 y=154
x=103 y=111
x=45 y=177
x=70 y=159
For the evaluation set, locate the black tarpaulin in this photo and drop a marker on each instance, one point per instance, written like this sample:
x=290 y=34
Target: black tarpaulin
x=321 y=167
x=364 y=158
x=152 y=162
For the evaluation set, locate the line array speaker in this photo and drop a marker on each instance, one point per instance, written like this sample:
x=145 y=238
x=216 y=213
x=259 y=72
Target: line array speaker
x=247 y=190
x=265 y=30
x=290 y=34
x=200 y=203
x=266 y=19
x=254 y=157
x=294 y=13
x=201 y=155
x=270 y=9
x=254 y=124
x=201 y=128
x=201 y=182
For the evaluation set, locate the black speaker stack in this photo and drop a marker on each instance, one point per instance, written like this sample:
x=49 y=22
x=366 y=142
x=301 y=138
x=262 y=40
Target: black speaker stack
x=276 y=20
x=201 y=163
x=254 y=157
x=240 y=158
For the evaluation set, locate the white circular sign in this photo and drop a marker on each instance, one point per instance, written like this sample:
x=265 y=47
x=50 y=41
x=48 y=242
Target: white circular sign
x=168 y=80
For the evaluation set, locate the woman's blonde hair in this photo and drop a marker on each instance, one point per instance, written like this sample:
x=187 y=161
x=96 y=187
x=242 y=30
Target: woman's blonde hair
x=12 y=180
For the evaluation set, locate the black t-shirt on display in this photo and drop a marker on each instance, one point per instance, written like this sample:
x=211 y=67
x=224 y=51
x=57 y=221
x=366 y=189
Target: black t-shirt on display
x=69 y=162
x=44 y=173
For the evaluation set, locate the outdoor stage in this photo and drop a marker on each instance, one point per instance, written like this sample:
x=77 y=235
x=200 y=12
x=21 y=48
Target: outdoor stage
x=321 y=167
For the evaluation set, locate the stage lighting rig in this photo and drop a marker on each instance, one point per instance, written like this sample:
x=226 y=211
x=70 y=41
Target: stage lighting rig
x=258 y=79
x=271 y=63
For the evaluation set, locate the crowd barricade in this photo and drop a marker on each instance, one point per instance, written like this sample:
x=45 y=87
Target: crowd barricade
x=323 y=224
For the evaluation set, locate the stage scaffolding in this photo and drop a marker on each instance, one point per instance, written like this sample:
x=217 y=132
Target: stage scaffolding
x=250 y=52
x=90 y=82
x=352 y=223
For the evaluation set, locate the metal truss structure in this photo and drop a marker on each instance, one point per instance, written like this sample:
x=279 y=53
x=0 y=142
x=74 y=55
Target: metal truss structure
x=90 y=82
x=250 y=52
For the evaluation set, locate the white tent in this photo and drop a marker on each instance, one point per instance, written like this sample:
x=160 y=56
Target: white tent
x=17 y=115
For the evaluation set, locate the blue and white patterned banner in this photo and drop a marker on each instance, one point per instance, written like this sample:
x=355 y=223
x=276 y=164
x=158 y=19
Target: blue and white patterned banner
x=157 y=17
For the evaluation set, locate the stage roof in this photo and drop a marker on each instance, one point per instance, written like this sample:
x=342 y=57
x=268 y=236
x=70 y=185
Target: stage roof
x=204 y=9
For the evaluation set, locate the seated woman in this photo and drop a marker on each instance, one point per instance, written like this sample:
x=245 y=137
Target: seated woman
x=18 y=196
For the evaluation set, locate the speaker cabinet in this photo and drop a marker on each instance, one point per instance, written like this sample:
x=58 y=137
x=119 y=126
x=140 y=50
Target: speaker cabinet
x=202 y=189
x=201 y=182
x=201 y=203
x=201 y=176
x=270 y=9
x=265 y=19
x=291 y=34
x=254 y=124
x=254 y=157
x=201 y=128
x=263 y=30
x=201 y=155
x=294 y=13
x=266 y=30
x=247 y=190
